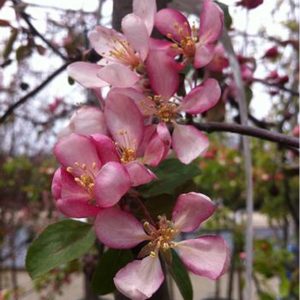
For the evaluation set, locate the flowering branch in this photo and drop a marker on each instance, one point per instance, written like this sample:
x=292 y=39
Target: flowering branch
x=250 y=131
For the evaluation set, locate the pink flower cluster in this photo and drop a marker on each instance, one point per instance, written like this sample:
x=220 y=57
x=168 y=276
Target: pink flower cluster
x=105 y=152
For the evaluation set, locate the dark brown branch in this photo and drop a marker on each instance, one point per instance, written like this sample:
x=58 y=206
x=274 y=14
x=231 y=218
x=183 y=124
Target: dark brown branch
x=277 y=86
x=11 y=108
x=34 y=31
x=249 y=131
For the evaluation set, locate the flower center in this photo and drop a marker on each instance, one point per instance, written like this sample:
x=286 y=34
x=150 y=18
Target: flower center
x=125 y=54
x=186 y=44
x=161 y=237
x=87 y=178
x=126 y=148
x=156 y=106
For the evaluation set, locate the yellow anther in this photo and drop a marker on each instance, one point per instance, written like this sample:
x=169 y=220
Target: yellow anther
x=152 y=254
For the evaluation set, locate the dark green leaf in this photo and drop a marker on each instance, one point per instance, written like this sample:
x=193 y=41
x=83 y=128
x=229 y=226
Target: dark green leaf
x=9 y=44
x=23 y=52
x=171 y=174
x=109 y=264
x=59 y=243
x=227 y=17
x=181 y=277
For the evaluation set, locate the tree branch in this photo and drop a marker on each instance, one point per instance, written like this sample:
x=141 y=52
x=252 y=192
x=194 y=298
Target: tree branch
x=249 y=131
x=11 y=108
x=34 y=31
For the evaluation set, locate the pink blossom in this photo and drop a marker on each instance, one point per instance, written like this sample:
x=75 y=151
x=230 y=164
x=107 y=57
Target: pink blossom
x=272 y=52
x=205 y=256
x=187 y=142
x=196 y=45
x=219 y=61
x=90 y=177
x=250 y=4
x=136 y=144
x=123 y=54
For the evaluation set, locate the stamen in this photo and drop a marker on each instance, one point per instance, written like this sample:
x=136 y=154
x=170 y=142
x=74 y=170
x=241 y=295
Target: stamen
x=125 y=54
x=126 y=151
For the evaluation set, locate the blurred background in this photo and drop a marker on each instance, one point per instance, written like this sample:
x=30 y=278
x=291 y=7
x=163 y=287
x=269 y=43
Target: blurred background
x=38 y=39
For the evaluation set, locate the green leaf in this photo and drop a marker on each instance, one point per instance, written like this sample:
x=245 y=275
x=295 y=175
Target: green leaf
x=109 y=264
x=22 y=52
x=227 y=17
x=181 y=277
x=10 y=43
x=171 y=174
x=59 y=243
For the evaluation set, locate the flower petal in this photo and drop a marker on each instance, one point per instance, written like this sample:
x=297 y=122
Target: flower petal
x=86 y=74
x=138 y=173
x=106 y=148
x=56 y=184
x=124 y=120
x=118 y=75
x=104 y=40
x=146 y=10
x=188 y=142
x=204 y=54
x=76 y=208
x=140 y=279
x=87 y=120
x=171 y=22
x=158 y=146
x=202 y=97
x=136 y=33
x=119 y=229
x=79 y=149
x=191 y=210
x=74 y=200
x=205 y=256
x=112 y=182
x=211 y=22
x=163 y=73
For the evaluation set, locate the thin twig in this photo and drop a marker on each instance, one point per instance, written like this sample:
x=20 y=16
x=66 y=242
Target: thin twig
x=34 y=31
x=12 y=108
x=277 y=86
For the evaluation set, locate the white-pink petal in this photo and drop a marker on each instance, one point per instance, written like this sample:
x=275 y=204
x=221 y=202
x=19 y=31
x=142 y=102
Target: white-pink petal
x=124 y=120
x=136 y=33
x=111 y=184
x=77 y=149
x=188 y=142
x=118 y=229
x=203 y=55
x=146 y=10
x=163 y=72
x=118 y=75
x=202 y=97
x=87 y=120
x=140 y=279
x=106 y=148
x=211 y=22
x=86 y=74
x=206 y=256
x=104 y=40
x=191 y=210
x=170 y=21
